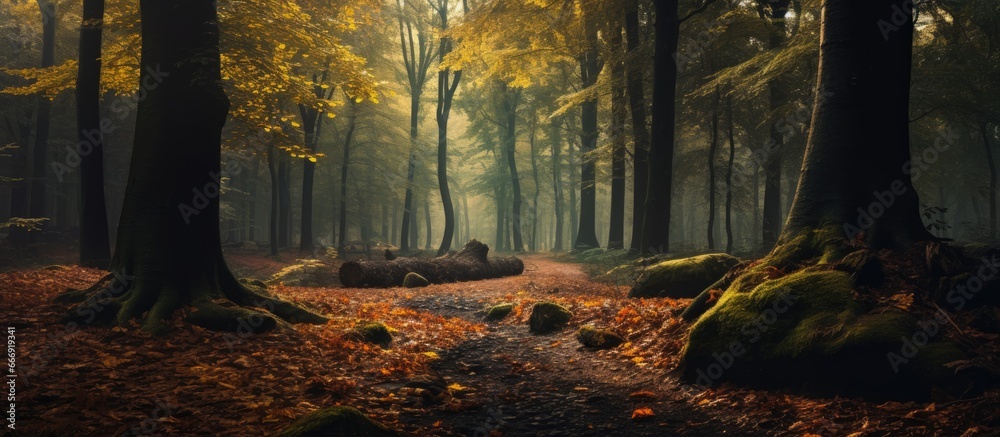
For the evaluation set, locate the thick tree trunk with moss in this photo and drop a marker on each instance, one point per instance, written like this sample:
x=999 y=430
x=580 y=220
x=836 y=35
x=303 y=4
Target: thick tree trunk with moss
x=168 y=254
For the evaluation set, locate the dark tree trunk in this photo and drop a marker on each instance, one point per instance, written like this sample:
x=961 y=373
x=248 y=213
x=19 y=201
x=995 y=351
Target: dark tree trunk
x=589 y=70
x=984 y=131
x=427 y=221
x=306 y=236
x=861 y=110
x=616 y=232
x=284 y=201
x=168 y=255
x=555 y=131
x=729 y=175
x=534 y=175
x=344 y=168
x=656 y=223
x=94 y=236
x=40 y=152
x=447 y=85
x=773 y=152
x=574 y=210
x=252 y=202
x=712 y=151
x=272 y=170
x=640 y=132
x=470 y=264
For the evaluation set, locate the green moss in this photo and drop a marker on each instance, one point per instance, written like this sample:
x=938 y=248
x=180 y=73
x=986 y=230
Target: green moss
x=498 y=312
x=547 y=317
x=596 y=338
x=413 y=280
x=336 y=422
x=682 y=278
x=372 y=332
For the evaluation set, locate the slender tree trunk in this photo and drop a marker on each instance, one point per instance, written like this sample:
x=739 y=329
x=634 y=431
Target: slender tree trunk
x=574 y=210
x=427 y=220
x=511 y=99
x=984 y=132
x=712 y=151
x=774 y=152
x=344 y=168
x=94 y=236
x=619 y=97
x=447 y=85
x=640 y=132
x=534 y=175
x=656 y=223
x=589 y=70
x=41 y=149
x=272 y=170
x=555 y=131
x=865 y=79
x=252 y=202
x=284 y=201
x=395 y=213
x=729 y=175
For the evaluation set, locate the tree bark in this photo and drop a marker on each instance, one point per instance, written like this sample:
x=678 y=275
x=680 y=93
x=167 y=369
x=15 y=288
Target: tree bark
x=555 y=131
x=589 y=70
x=776 y=143
x=344 y=168
x=511 y=98
x=284 y=201
x=272 y=170
x=95 y=250
x=861 y=110
x=470 y=264
x=168 y=253
x=656 y=223
x=984 y=132
x=40 y=152
x=616 y=227
x=447 y=85
x=729 y=175
x=712 y=151
x=533 y=245
x=640 y=132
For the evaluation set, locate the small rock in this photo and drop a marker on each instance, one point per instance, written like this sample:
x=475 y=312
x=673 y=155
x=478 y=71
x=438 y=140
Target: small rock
x=413 y=280
x=371 y=332
x=498 y=312
x=596 y=338
x=337 y=421
x=547 y=317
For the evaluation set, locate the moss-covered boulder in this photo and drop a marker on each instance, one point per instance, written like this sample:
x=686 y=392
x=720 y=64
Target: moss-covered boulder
x=306 y=273
x=682 y=278
x=499 y=312
x=371 y=332
x=336 y=422
x=807 y=327
x=597 y=338
x=548 y=317
x=413 y=280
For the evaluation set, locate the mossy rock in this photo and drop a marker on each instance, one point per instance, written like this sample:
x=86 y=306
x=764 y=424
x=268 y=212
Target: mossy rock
x=337 y=421
x=548 y=317
x=306 y=273
x=682 y=278
x=499 y=312
x=413 y=280
x=372 y=332
x=807 y=327
x=597 y=338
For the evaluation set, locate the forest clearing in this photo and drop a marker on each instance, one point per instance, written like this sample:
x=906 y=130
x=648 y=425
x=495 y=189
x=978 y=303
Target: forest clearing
x=500 y=217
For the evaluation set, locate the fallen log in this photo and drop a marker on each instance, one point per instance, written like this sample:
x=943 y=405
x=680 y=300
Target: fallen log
x=470 y=264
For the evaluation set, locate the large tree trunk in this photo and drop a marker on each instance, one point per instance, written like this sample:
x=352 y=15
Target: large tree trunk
x=589 y=69
x=94 y=236
x=168 y=253
x=40 y=152
x=861 y=110
x=616 y=231
x=470 y=264
x=640 y=133
x=656 y=223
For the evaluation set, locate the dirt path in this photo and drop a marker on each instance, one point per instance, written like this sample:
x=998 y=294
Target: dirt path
x=548 y=385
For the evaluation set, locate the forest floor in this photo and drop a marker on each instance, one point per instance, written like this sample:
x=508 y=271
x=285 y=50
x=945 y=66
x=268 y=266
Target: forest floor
x=447 y=372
